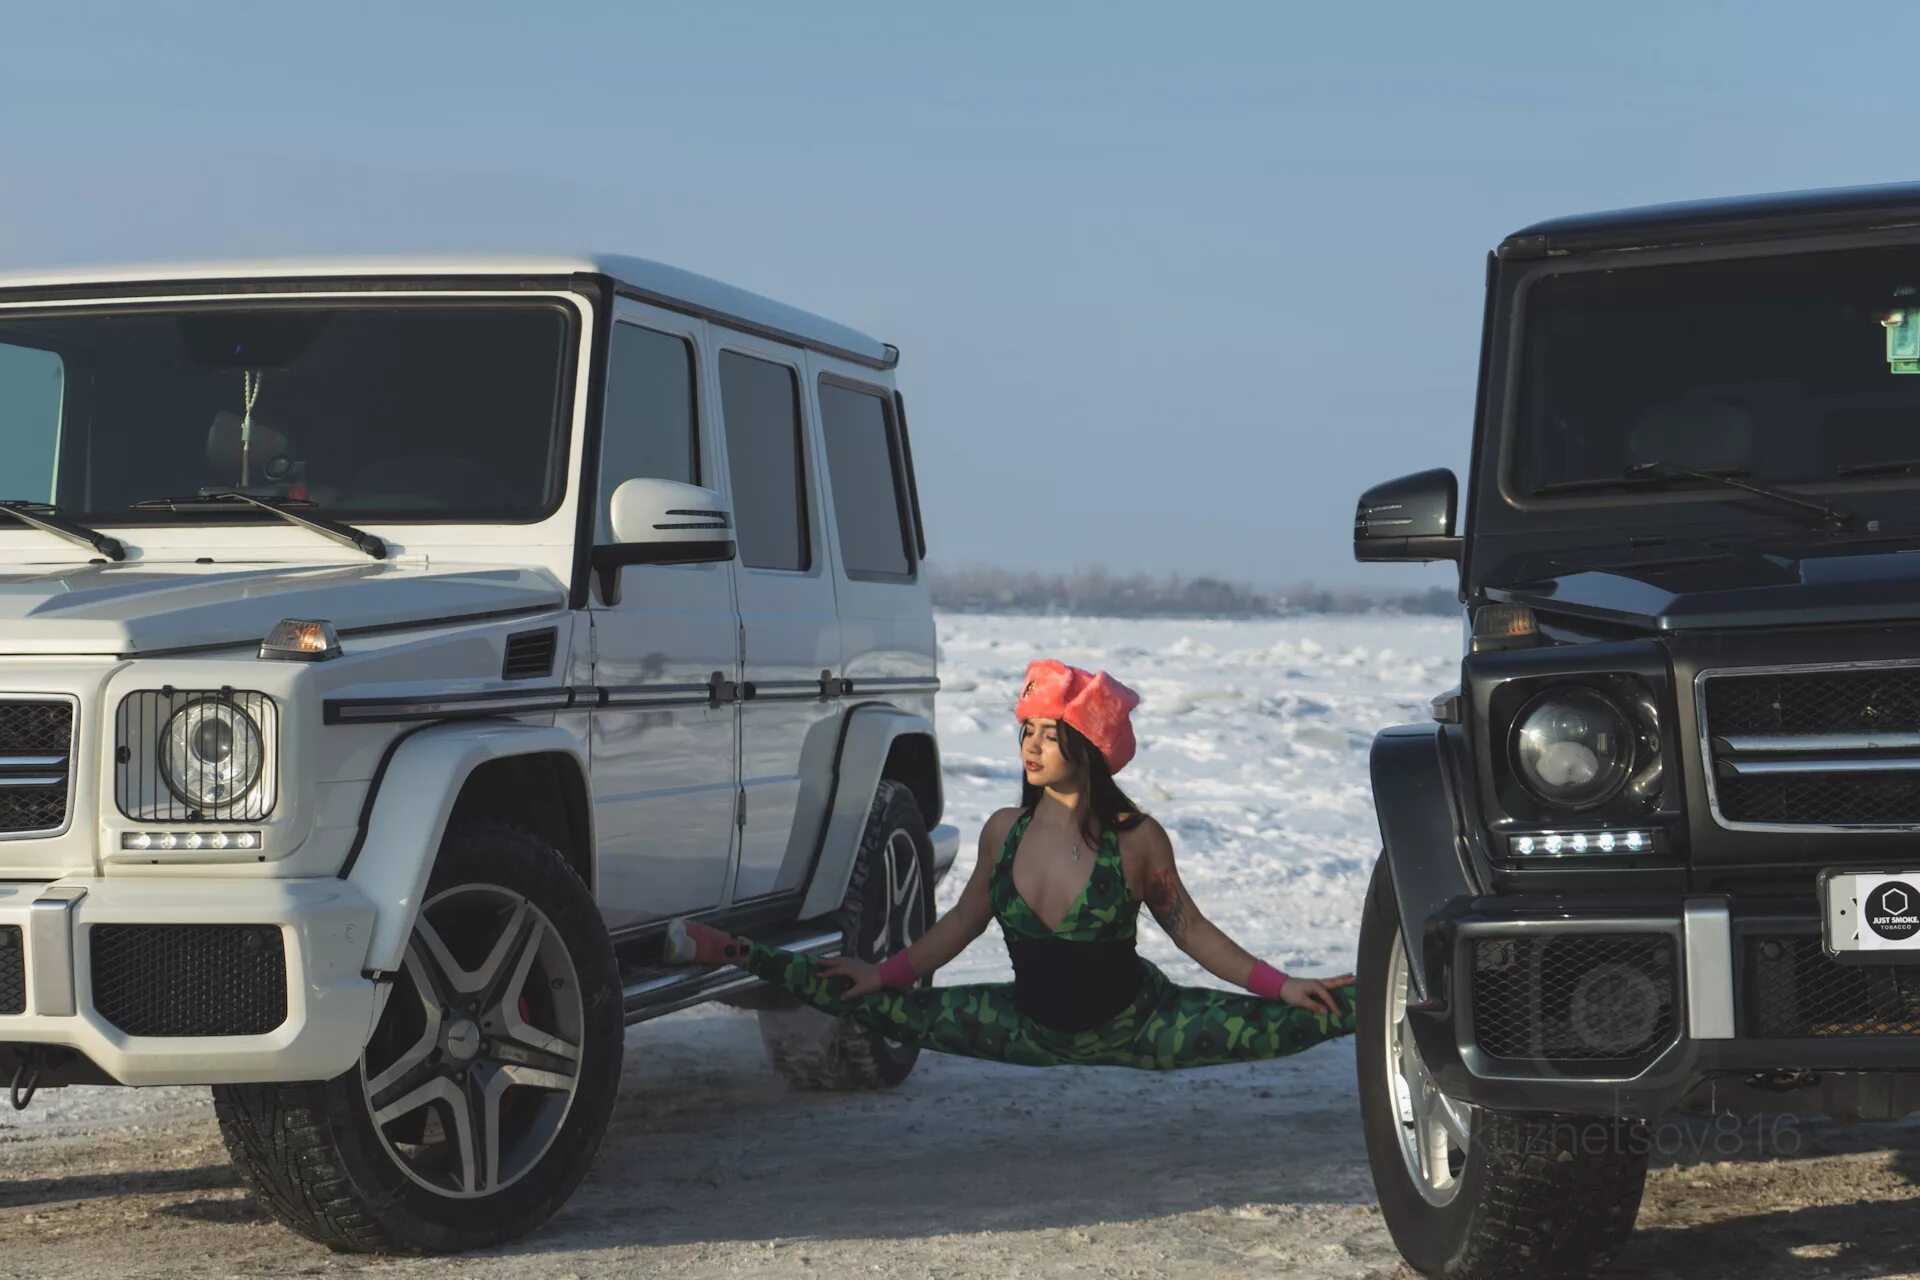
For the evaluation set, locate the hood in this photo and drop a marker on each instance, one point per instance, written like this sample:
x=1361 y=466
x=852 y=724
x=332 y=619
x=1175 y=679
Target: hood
x=135 y=608
x=1746 y=588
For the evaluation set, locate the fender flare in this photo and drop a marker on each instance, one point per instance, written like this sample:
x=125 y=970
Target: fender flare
x=870 y=732
x=408 y=805
x=1421 y=834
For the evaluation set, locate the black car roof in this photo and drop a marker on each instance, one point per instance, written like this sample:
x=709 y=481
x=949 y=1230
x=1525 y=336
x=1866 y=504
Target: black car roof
x=1728 y=218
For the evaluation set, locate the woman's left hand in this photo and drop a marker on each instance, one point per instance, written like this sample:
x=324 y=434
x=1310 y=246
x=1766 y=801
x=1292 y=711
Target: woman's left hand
x=1313 y=993
x=865 y=977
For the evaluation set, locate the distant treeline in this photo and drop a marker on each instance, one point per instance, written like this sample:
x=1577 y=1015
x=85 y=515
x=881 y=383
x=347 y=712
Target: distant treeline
x=1096 y=591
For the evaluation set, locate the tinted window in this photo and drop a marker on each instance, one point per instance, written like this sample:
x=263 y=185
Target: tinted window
x=1792 y=369
x=379 y=411
x=650 y=426
x=861 y=461
x=761 y=403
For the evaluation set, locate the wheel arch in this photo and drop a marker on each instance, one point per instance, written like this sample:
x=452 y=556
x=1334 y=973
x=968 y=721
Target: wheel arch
x=1422 y=837
x=543 y=792
x=913 y=760
x=437 y=774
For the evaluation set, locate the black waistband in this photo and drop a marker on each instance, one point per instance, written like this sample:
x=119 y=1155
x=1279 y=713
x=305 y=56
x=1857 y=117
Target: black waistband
x=1073 y=986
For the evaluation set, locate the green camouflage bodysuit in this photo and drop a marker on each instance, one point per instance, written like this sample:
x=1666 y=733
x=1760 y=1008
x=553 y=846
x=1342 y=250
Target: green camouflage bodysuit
x=1163 y=1027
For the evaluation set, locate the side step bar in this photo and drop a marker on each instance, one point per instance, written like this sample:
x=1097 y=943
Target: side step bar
x=652 y=990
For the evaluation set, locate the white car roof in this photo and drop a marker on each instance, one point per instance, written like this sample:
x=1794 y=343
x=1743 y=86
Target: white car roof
x=650 y=281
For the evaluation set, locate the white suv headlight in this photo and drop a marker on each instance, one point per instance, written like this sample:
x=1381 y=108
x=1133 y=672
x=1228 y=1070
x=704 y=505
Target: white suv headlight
x=210 y=753
x=196 y=755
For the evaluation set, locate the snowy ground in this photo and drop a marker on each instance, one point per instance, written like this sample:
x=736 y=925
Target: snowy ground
x=1252 y=752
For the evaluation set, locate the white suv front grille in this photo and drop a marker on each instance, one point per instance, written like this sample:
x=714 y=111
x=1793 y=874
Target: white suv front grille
x=36 y=757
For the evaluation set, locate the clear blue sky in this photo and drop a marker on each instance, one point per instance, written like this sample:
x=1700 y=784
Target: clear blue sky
x=1173 y=283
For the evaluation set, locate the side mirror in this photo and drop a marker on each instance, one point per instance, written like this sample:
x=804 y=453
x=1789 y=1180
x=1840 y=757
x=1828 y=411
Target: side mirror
x=662 y=522
x=1409 y=519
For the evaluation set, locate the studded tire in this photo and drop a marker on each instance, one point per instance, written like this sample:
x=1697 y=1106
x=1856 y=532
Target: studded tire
x=512 y=951
x=1536 y=1195
x=888 y=903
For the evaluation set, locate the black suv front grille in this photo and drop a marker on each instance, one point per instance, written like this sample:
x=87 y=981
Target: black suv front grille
x=1794 y=988
x=1574 y=996
x=1822 y=799
x=1875 y=699
x=189 y=979
x=36 y=750
x=1829 y=748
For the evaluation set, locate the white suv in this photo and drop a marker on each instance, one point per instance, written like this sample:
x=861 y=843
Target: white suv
x=387 y=650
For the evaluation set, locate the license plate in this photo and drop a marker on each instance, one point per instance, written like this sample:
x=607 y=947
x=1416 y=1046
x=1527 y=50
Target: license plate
x=1869 y=914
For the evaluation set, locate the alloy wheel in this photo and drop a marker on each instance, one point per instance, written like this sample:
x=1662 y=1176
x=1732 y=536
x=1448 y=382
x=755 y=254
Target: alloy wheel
x=904 y=914
x=474 y=1066
x=1433 y=1129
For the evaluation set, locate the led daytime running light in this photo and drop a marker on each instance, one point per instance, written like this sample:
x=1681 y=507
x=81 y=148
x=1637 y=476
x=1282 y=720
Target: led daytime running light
x=1585 y=842
x=166 y=841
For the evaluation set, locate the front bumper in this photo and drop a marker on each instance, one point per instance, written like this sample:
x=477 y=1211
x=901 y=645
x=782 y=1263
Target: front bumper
x=1726 y=1018
x=96 y=957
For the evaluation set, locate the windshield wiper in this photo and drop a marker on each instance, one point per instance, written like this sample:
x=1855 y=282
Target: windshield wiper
x=1891 y=467
x=1650 y=473
x=45 y=517
x=344 y=534
x=1659 y=562
x=1634 y=477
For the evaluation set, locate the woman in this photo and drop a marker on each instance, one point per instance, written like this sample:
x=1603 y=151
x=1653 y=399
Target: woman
x=1077 y=853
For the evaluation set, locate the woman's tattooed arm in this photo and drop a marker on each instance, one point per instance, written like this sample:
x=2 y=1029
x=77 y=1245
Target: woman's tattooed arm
x=1167 y=899
x=1174 y=908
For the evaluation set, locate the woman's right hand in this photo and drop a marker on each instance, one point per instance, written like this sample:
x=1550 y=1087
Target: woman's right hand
x=1312 y=994
x=866 y=977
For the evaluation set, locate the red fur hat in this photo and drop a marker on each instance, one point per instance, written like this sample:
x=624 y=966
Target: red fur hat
x=1091 y=701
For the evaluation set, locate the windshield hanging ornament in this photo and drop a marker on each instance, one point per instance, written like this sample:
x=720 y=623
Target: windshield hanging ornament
x=1903 y=335
x=250 y=381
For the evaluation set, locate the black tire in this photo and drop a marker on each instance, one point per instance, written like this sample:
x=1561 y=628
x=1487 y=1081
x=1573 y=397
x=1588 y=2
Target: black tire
x=311 y=1153
x=1538 y=1195
x=889 y=903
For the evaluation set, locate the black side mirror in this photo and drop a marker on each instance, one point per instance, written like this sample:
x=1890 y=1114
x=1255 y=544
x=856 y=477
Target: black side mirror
x=1409 y=519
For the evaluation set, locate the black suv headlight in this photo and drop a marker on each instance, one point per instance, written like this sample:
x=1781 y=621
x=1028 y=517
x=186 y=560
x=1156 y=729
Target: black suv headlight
x=1573 y=748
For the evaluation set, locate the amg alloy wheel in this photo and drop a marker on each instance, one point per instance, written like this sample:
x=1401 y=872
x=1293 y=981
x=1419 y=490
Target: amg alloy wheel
x=1469 y=1193
x=1434 y=1130
x=475 y=1064
x=481 y=1097
x=905 y=904
x=888 y=904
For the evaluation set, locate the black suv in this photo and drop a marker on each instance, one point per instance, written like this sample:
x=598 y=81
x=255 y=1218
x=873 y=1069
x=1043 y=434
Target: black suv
x=1658 y=851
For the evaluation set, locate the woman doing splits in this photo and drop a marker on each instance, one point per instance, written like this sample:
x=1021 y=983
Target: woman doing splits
x=1064 y=873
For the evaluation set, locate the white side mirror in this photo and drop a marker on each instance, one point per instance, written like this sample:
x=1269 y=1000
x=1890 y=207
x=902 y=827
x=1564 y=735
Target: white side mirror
x=662 y=522
x=671 y=515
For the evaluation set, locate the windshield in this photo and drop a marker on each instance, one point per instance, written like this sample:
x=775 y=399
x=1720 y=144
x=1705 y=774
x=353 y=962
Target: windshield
x=1795 y=370
x=390 y=411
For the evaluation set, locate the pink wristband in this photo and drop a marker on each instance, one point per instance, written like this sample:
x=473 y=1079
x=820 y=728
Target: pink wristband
x=897 y=971
x=1265 y=980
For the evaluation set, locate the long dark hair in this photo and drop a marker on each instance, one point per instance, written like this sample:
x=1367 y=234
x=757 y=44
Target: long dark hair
x=1101 y=799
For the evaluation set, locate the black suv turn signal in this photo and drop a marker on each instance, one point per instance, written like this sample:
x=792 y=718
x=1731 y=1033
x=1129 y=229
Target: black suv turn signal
x=1503 y=626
